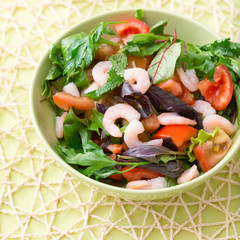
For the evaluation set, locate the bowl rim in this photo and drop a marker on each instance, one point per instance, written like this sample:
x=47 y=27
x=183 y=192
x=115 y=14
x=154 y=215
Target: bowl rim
x=170 y=191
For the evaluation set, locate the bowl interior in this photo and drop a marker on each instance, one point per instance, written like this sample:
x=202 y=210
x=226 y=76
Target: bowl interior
x=43 y=115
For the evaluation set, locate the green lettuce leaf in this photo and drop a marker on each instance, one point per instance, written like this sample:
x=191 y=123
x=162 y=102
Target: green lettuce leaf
x=202 y=137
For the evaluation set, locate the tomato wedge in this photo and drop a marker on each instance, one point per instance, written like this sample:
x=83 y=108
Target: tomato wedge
x=211 y=152
x=130 y=27
x=218 y=93
x=66 y=101
x=139 y=174
x=180 y=134
x=176 y=88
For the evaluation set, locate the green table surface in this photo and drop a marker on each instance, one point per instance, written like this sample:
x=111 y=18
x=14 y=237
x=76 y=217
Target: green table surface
x=40 y=200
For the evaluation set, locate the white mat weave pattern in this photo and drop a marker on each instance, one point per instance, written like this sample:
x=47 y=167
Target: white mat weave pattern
x=38 y=199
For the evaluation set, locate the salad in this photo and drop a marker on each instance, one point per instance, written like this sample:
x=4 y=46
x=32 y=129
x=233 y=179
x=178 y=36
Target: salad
x=140 y=109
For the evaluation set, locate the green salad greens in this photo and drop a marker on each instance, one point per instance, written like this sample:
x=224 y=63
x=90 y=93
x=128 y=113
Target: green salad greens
x=89 y=147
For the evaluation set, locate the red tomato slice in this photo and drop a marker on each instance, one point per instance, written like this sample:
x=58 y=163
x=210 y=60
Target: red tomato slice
x=187 y=97
x=212 y=151
x=176 y=88
x=131 y=27
x=66 y=101
x=218 y=93
x=139 y=174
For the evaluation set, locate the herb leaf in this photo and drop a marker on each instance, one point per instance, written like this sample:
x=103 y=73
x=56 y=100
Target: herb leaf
x=80 y=50
x=139 y=14
x=144 y=44
x=119 y=63
x=158 y=28
x=97 y=121
x=75 y=126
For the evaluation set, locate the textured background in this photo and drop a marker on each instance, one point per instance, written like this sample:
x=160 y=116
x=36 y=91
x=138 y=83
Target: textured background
x=38 y=199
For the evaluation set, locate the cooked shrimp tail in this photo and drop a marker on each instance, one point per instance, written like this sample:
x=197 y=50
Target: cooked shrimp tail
x=138 y=79
x=172 y=118
x=154 y=183
x=131 y=135
x=121 y=110
x=100 y=72
x=212 y=121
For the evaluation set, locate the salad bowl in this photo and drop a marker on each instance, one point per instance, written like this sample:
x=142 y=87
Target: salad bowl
x=43 y=115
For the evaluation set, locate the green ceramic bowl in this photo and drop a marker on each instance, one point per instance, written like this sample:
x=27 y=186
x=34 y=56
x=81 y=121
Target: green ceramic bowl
x=43 y=115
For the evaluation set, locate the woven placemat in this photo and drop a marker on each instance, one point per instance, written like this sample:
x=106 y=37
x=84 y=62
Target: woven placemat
x=40 y=200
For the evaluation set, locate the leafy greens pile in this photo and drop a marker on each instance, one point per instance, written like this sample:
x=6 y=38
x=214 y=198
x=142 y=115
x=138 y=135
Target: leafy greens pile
x=77 y=52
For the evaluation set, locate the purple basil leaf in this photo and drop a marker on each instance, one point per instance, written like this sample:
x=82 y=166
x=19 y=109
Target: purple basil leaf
x=168 y=143
x=166 y=102
x=102 y=108
x=127 y=90
x=172 y=169
x=138 y=101
x=149 y=152
x=141 y=104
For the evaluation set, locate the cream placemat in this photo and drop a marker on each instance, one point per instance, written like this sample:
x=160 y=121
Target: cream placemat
x=38 y=199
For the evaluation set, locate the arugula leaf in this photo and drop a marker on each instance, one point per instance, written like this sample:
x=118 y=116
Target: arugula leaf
x=47 y=89
x=54 y=72
x=200 y=139
x=139 y=14
x=171 y=182
x=59 y=83
x=163 y=65
x=158 y=28
x=205 y=58
x=74 y=125
x=91 y=156
x=144 y=44
x=237 y=97
x=94 y=161
x=97 y=121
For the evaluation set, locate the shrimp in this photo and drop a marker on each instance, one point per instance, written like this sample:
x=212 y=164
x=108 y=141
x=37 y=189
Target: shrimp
x=188 y=175
x=204 y=108
x=92 y=87
x=154 y=183
x=59 y=125
x=99 y=72
x=172 y=118
x=134 y=128
x=212 y=121
x=138 y=79
x=121 y=110
x=189 y=79
x=72 y=89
